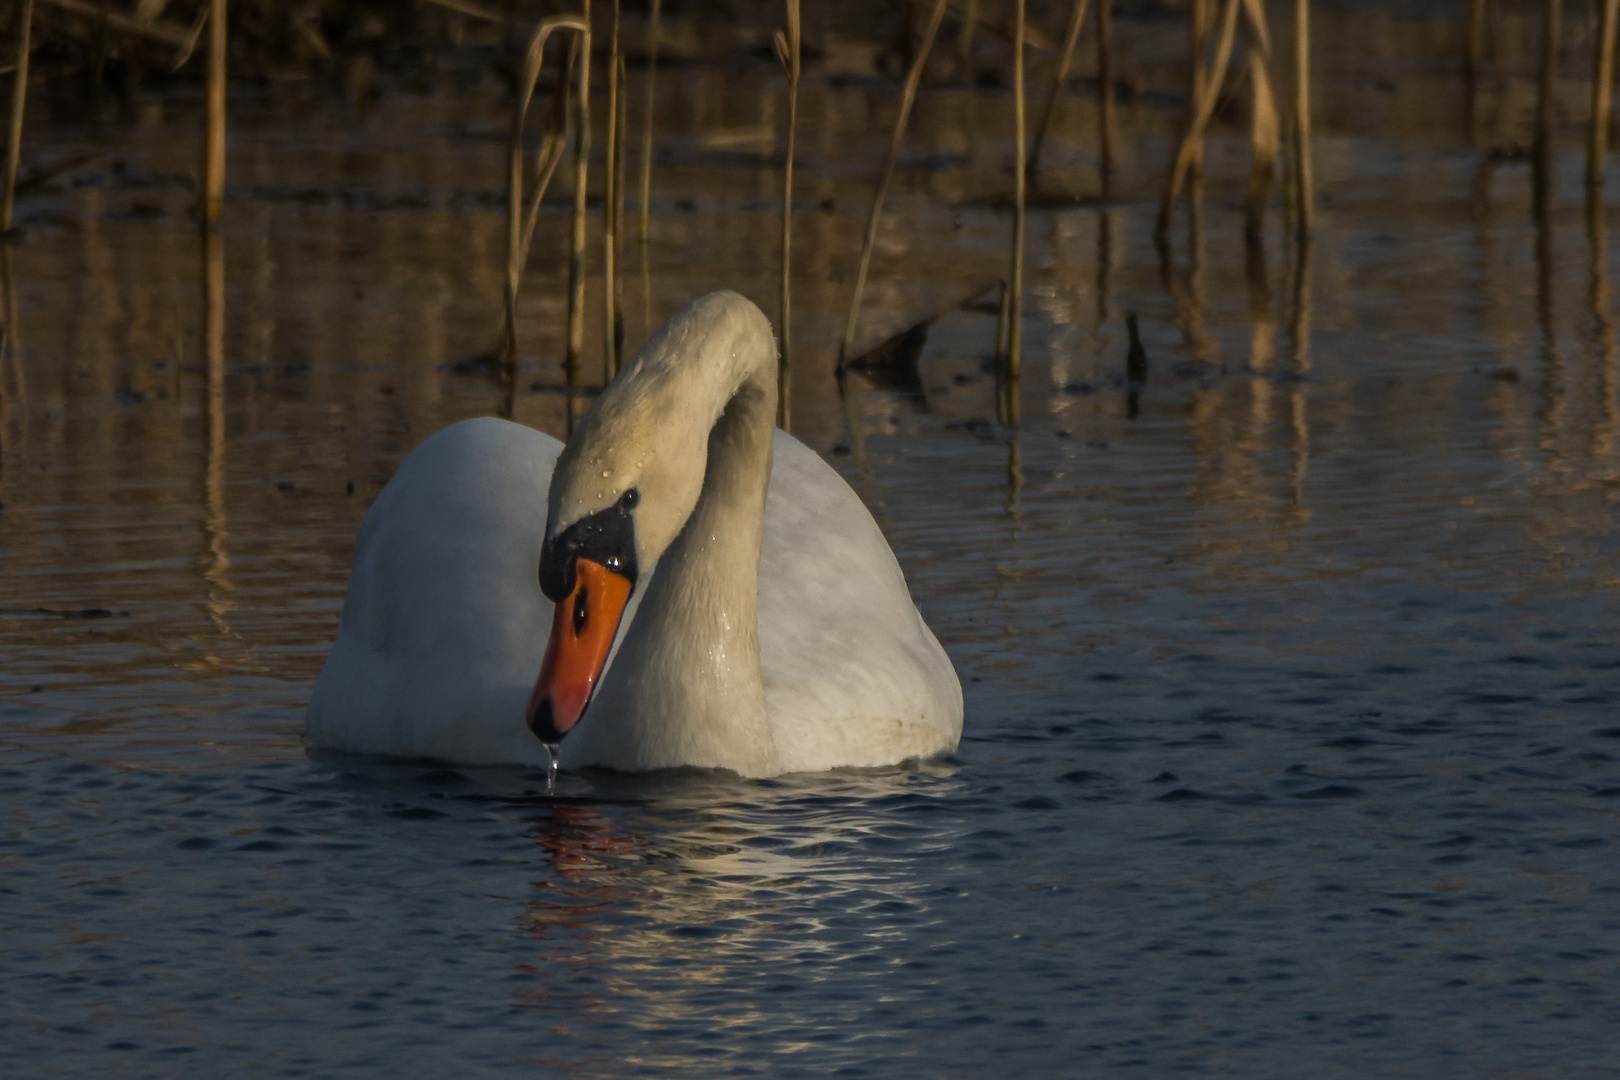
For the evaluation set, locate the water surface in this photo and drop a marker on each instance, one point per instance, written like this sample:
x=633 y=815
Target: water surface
x=1291 y=731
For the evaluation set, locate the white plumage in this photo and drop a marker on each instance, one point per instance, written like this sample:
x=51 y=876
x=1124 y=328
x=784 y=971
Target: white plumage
x=444 y=624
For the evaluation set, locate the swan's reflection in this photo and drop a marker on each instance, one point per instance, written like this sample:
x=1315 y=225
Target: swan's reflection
x=667 y=889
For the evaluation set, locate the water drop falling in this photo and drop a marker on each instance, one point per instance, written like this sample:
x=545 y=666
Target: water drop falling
x=552 y=752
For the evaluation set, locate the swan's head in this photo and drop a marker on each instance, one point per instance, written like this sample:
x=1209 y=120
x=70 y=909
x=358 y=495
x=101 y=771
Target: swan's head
x=624 y=486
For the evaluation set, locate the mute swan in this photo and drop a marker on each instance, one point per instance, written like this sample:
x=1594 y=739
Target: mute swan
x=725 y=600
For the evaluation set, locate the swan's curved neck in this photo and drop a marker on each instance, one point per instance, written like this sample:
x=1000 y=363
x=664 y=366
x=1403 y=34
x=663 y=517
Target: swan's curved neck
x=685 y=686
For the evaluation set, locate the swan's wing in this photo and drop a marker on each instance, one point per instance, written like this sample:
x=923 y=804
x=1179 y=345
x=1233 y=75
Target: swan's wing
x=853 y=676
x=444 y=623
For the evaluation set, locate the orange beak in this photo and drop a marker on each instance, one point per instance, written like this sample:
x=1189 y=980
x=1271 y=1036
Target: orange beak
x=582 y=628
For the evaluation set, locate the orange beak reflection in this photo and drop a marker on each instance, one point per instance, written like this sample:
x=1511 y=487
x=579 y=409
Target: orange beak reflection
x=582 y=629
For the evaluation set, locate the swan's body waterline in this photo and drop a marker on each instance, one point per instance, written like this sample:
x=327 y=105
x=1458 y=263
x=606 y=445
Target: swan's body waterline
x=769 y=631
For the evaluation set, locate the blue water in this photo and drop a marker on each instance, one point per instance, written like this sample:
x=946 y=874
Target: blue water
x=1291 y=738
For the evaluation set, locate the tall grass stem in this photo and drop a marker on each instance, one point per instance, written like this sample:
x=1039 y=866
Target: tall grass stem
x=213 y=193
x=576 y=257
x=1105 y=86
x=789 y=47
x=908 y=95
x=1304 y=174
x=1189 y=152
x=1541 y=159
x=19 y=101
x=1015 y=305
x=1071 y=37
x=520 y=226
x=1597 y=146
x=610 y=198
x=644 y=196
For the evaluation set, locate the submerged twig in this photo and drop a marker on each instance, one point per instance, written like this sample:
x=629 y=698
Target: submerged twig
x=19 y=99
x=905 y=346
x=787 y=47
x=907 y=96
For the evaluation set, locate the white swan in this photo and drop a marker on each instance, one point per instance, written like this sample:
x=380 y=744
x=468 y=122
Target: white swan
x=706 y=619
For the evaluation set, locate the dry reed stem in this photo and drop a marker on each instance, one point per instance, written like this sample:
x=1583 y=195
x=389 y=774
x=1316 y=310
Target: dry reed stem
x=1304 y=174
x=1015 y=306
x=1001 y=329
x=19 y=99
x=1033 y=36
x=551 y=150
x=1071 y=37
x=610 y=178
x=162 y=33
x=193 y=36
x=214 y=471
x=964 y=34
x=907 y=96
x=647 y=126
x=1254 y=12
x=1265 y=135
x=517 y=236
x=468 y=7
x=1105 y=79
x=1197 y=60
x=1541 y=162
x=788 y=51
x=213 y=193
x=618 y=211
x=1198 y=118
x=576 y=260
x=1264 y=138
x=1602 y=94
x=13 y=394
x=1473 y=59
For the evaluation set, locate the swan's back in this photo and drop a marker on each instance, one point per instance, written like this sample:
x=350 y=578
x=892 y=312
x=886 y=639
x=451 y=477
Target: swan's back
x=444 y=624
x=853 y=676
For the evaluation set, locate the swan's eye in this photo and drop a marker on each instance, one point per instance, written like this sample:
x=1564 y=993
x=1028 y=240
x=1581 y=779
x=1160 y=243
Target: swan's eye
x=628 y=500
x=579 y=611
